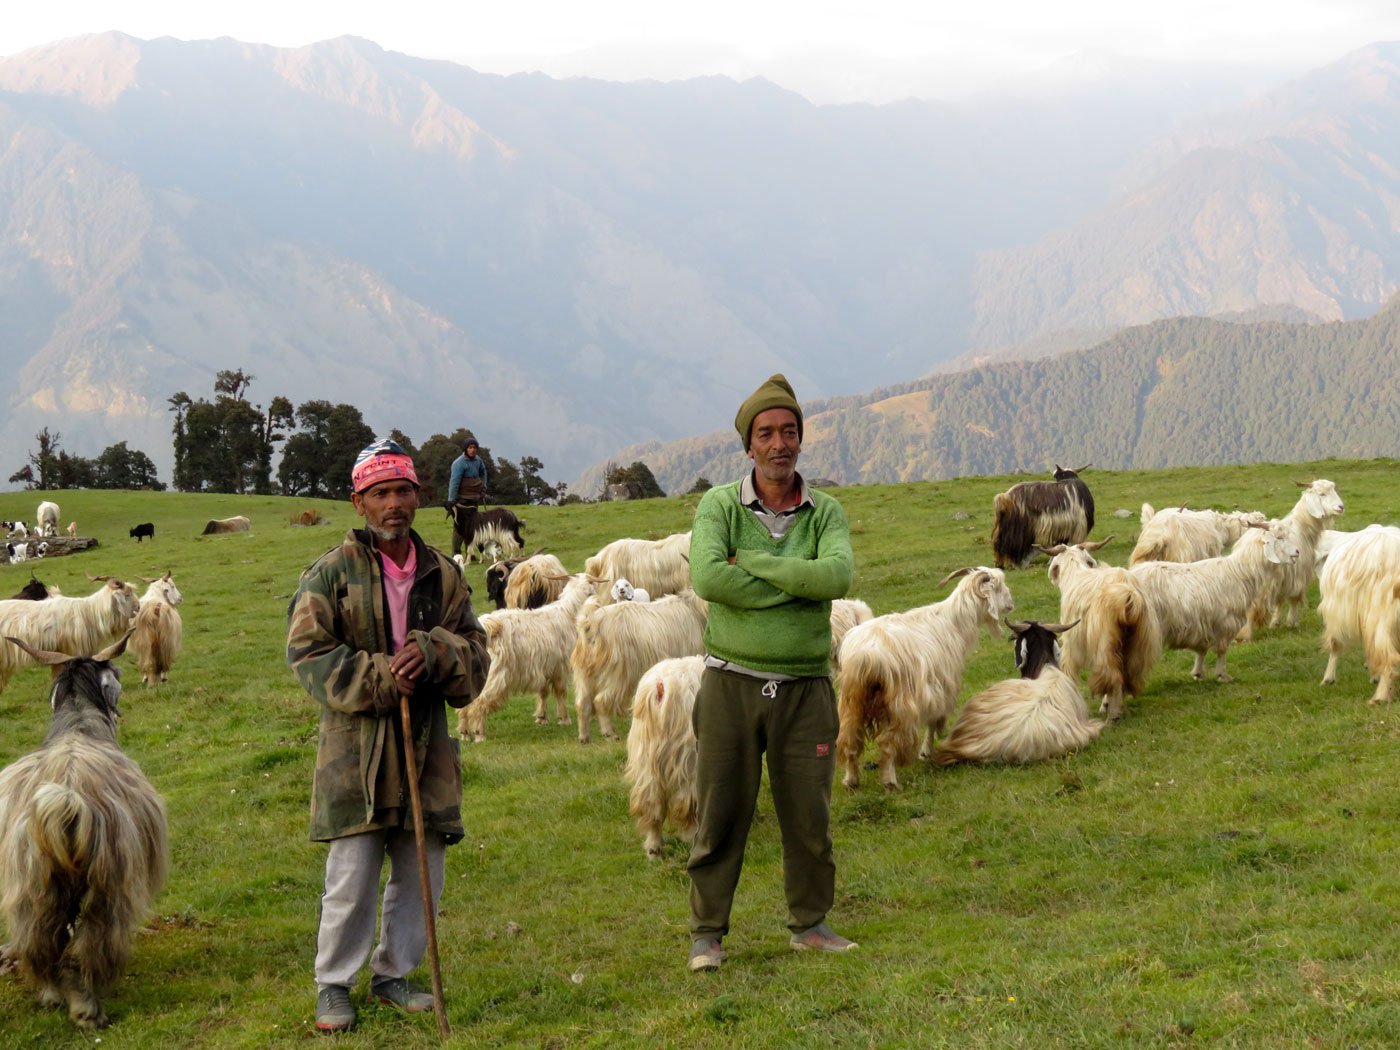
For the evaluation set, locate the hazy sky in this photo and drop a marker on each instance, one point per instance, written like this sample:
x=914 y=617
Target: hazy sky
x=851 y=48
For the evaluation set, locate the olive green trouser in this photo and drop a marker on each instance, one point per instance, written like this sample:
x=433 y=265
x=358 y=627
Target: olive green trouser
x=735 y=723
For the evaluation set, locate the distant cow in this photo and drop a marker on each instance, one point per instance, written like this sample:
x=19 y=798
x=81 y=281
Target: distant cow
x=218 y=525
x=1040 y=514
x=308 y=517
x=146 y=528
x=479 y=529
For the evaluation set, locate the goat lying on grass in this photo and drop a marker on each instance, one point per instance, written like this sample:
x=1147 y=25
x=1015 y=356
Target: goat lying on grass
x=1037 y=716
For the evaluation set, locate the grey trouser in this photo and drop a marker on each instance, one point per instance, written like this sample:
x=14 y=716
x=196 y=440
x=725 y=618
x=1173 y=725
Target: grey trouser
x=350 y=902
x=735 y=723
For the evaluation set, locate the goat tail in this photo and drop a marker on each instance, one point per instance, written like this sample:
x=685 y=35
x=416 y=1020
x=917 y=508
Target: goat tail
x=945 y=755
x=1140 y=642
x=64 y=830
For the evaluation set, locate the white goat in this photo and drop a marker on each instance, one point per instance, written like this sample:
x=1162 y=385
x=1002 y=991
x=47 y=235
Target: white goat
x=155 y=641
x=529 y=650
x=623 y=591
x=1203 y=604
x=661 y=750
x=1178 y=534
x=1314 y=512
x=1119 y=639
x=902 y=672
x=47 y=519
x=1361 y=605
x=617 y=643
x=660 y=567
x=1037 y=716
x=80 y=626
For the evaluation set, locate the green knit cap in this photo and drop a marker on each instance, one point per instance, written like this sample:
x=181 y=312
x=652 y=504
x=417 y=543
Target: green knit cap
x=775 y=393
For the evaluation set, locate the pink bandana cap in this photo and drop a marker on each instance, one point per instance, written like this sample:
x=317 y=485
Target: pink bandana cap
x=385 y=460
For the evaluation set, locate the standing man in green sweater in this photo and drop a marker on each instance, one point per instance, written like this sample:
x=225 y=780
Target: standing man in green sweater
x=769 y=555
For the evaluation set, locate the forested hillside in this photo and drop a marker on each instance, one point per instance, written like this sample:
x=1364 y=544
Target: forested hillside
x=1189 y=391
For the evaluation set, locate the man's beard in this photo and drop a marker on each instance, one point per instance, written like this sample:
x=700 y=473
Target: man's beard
x=381 y=532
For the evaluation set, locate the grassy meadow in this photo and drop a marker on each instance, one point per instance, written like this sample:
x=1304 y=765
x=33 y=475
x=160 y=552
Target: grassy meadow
x=1221 y=869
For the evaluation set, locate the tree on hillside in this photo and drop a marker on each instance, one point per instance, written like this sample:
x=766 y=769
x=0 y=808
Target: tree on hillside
x=45 y=460
x=638 y=478
x=119 y=467
x=225 y=445
x=318 y=459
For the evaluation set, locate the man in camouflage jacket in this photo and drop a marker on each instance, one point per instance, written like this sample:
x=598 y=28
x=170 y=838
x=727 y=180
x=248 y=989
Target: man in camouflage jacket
x=379 y=617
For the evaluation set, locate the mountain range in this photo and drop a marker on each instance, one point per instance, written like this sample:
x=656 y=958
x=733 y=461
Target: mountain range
x=570 y=267
x=1182 y=392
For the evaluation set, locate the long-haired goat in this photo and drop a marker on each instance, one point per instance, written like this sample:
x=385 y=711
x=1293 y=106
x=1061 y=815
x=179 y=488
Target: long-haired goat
x=535 y=581
x=496 y=529
x=155 y=641
x=1316 y=509
x=659 y=567
x=1203 y=604
x=1119 y=639
x=529 y=650
x=47 y=519
x=217 y=526
x=1040 y=513
x=617 y=643
x=901 y=672
x=661 y=750
x=82 y=843
x=1361 y=605
x=70 y=625
x=1178 y=534
x=1037 y=716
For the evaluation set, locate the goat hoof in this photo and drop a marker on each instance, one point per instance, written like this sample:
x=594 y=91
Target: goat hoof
x=541 y=721
x=654 y=853
x=892 y=786
x=566 y=721
x=1224 y=678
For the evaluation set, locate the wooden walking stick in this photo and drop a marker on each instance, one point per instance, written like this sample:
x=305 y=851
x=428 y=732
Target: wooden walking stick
x=425 y=882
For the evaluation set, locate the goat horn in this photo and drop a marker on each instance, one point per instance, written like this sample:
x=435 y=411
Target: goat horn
x=1059 y=548
x=148 y=579
x=1303 y=484
x=1059 y=628
x=1096 y=546
x=99 y=579
x=42 y=656
x=954 y=575
x=1085 y=467
x=1016 y=628
x=115 y=649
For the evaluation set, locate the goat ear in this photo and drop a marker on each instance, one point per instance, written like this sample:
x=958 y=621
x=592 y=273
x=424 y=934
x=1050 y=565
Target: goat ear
x=114 y=650
x=955 y=574
x=40 y=656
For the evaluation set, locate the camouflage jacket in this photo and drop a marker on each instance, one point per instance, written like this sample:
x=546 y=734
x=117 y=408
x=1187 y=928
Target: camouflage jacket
x=338 y=647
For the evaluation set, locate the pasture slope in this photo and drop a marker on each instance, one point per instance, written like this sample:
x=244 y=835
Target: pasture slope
x=1220 y=869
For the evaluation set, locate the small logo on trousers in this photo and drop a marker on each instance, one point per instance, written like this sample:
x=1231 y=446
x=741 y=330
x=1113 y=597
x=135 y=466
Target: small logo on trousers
x=823 y=750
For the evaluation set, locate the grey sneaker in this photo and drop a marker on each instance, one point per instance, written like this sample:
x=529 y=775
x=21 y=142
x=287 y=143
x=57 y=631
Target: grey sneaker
x=400 y=992
x=820 y=938
x=334 y=1010
x=706 y=953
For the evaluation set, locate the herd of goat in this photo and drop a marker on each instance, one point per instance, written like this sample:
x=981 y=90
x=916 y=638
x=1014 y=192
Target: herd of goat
x=82 y=834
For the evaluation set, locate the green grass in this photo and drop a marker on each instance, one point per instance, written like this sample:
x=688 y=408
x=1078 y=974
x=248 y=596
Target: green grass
x=1219 y=869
